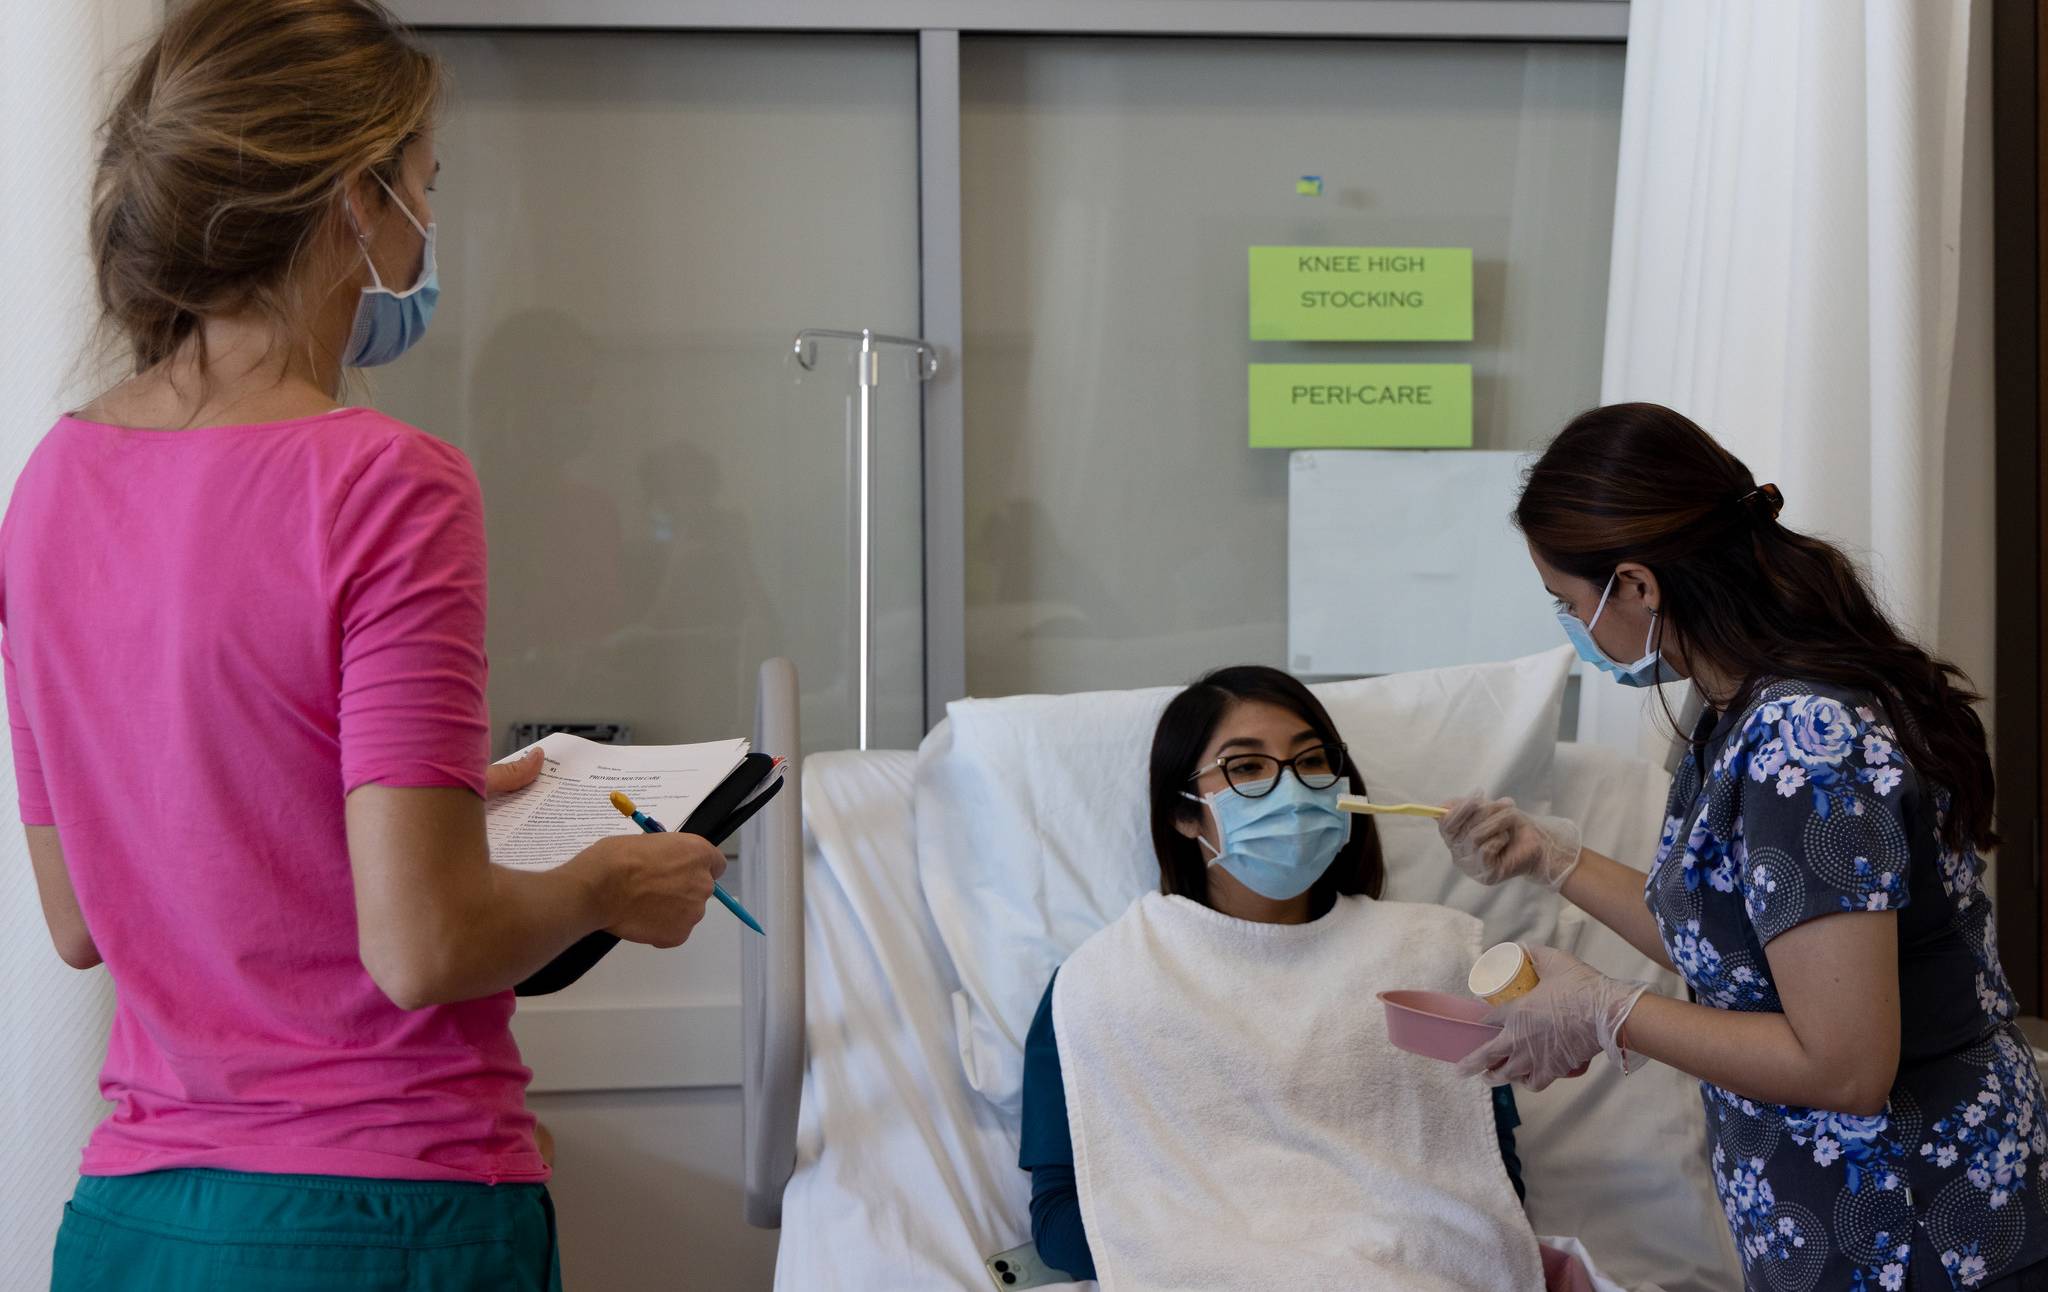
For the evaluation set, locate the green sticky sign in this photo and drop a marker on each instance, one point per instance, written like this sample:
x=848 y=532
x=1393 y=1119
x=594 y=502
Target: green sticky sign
x=1361 y=405
x=1361 y=293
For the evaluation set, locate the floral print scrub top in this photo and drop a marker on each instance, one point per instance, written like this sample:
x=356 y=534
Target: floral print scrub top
x=1806 y=807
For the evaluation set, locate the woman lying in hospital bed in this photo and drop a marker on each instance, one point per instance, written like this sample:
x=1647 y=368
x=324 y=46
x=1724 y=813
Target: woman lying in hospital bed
x=1210 y=1098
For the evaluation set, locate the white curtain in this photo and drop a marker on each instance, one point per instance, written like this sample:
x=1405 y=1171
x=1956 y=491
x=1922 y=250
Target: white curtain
x=1802 y=203
x=55 y=59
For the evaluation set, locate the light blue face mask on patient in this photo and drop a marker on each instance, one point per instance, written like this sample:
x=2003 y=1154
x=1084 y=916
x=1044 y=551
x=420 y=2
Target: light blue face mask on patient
x=1279 y=844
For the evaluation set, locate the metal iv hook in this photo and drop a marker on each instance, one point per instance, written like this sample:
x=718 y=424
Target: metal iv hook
x=805 y=350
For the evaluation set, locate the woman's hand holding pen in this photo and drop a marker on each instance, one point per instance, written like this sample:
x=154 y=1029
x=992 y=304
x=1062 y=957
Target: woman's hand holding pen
x=651 y=888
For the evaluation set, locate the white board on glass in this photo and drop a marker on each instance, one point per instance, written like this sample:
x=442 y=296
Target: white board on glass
x=1407 y=560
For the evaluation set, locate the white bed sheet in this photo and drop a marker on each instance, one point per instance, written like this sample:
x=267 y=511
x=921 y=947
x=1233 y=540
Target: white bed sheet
x=905 y=1177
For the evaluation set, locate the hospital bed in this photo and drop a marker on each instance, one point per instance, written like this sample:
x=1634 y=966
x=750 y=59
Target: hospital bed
x=937 y=888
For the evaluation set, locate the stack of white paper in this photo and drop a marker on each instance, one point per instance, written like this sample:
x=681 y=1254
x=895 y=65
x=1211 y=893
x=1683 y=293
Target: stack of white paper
x=568 y=807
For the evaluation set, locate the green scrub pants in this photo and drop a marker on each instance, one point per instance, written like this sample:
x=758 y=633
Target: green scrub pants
x=218 y=1231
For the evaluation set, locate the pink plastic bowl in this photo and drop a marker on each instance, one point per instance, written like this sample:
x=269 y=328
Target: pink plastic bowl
x=1436 y=1024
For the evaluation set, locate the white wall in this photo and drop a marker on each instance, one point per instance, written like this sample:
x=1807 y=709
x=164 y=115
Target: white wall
x=1967 y=588
x=53 y=64
x=647 y=1192
x=648 y=1182
x=1968 y=591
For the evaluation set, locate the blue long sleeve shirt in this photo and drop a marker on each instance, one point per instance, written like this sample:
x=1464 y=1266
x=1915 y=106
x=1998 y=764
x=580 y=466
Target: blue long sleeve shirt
x=1047 y=1149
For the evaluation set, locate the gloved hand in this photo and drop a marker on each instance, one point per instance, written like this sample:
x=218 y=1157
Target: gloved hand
x=1574 y=1014
x=1493 y=840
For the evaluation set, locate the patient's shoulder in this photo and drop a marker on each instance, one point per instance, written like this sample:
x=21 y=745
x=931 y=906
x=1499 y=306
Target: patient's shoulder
x=1096 y=949
x=1098 y=945
x=1040 y=1034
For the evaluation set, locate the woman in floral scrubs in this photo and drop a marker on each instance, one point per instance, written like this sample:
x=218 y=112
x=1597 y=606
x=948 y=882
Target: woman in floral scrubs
x=1874 y=1114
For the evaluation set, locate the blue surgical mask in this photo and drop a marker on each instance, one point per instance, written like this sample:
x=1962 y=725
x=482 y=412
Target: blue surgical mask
x=387 y=323
x=1647 y=671
x=1279 y=844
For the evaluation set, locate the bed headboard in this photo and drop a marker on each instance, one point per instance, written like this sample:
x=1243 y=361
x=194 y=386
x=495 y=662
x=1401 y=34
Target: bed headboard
x=771 y=879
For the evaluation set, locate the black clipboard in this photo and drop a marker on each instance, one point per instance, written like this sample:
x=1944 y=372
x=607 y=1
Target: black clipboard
x=723 y=811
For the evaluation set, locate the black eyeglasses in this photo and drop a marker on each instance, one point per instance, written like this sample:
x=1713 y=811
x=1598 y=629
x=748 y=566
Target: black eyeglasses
x=1254 y=775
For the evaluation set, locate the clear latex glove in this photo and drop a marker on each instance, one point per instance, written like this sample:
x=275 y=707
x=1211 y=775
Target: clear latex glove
x=1493 y=840
x=1574 y=1015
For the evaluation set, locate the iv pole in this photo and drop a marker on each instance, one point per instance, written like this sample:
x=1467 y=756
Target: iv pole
x=867 y=367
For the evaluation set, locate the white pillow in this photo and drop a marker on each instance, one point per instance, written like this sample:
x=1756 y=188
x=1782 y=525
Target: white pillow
x=1033 y=830
x=1426 y=737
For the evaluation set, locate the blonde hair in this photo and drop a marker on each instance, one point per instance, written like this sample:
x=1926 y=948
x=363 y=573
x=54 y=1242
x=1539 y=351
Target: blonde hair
x=227 y=152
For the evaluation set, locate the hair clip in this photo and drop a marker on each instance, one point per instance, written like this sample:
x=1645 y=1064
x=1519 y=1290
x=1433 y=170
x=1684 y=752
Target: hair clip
x=1765 y=500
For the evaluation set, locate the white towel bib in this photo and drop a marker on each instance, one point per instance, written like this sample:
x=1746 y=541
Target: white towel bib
x=1241 y=1121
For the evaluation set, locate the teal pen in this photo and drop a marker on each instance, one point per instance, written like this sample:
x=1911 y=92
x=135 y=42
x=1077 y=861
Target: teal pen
x=652 y=826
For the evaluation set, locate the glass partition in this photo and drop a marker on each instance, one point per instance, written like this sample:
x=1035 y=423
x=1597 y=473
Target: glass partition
x=1120 y=532
x=632 y=229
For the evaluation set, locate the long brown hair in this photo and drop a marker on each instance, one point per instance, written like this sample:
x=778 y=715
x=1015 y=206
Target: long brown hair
x=1758 y=601
x=1184 y=731
x=226 y=153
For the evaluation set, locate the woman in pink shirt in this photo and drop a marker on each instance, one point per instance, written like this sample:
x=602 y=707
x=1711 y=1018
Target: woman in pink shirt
x=244 y=630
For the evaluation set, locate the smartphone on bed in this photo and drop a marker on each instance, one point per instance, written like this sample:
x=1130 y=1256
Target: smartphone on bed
x=1020 y=1267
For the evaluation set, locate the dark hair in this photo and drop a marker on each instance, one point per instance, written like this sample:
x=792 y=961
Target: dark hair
x=1760 y=602
x=1185 y=730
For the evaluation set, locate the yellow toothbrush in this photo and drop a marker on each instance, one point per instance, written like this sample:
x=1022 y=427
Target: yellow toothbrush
x=1355 y=803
